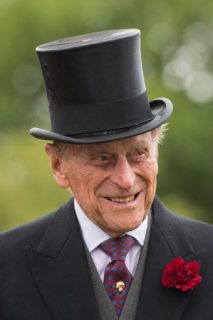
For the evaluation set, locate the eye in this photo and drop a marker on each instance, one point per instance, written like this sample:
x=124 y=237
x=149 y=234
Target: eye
x=139 y=154
x=102 y=159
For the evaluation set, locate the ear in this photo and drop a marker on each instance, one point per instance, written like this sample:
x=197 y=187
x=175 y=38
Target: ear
x=156 y=157
x=56 y=163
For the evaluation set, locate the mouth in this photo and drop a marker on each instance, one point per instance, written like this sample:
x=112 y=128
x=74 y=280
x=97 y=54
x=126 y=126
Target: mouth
x=123 y=199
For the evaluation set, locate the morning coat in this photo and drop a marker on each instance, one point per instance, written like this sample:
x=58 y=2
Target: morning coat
x=44 y=272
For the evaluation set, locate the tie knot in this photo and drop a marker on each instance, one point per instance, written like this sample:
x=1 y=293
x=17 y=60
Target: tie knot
x=117 y=248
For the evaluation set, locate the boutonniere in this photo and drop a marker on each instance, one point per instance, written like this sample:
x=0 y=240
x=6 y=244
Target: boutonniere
x=181 y=274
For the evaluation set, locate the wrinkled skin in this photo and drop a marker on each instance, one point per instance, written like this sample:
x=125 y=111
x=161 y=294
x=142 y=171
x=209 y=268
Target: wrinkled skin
x=113 y=182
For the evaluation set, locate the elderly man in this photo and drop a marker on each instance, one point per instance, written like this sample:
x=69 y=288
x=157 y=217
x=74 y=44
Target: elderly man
x=113 y=251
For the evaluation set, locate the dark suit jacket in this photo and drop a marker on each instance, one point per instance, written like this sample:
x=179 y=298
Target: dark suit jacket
x=44 y=273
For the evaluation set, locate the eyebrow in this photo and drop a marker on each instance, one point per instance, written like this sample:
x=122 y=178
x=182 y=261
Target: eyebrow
x=106 y=148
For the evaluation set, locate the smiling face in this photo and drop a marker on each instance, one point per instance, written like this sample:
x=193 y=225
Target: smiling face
x=113 y=182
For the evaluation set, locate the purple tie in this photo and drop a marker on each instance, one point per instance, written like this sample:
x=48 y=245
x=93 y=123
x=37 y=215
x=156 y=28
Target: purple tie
x=117 y=278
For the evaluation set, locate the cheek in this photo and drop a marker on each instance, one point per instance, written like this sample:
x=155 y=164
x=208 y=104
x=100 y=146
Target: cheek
x=74 y=174
x=149 y=175
x=152 y=171
x=83 y=184
x=149 y=171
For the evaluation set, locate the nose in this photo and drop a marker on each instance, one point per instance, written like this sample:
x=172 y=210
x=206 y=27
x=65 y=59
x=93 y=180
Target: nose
x=123 y=174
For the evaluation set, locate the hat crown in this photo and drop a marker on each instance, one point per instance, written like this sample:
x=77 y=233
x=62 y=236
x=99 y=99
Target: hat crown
x=87 y=40
x=108 y=69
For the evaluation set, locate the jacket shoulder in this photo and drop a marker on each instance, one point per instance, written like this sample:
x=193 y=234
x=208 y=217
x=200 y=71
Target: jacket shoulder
x=199 y=233
x=31 y=233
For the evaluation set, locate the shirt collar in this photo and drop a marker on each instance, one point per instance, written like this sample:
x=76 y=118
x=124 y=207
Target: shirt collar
x=94 y=236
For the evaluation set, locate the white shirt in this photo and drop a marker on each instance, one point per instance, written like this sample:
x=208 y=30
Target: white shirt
x=94 y=236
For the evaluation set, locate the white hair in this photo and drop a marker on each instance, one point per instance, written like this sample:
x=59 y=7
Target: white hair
x=159 y=133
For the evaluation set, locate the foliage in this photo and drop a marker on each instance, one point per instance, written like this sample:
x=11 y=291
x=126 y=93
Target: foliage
x=26 y=184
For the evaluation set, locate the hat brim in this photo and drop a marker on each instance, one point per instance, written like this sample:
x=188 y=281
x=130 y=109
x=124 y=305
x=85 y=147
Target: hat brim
x=161 y=109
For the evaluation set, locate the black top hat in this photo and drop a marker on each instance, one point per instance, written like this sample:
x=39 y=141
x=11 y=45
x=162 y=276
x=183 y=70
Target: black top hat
x=96 y=90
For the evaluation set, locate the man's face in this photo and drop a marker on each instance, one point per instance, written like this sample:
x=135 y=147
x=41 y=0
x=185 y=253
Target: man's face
x=114 y=182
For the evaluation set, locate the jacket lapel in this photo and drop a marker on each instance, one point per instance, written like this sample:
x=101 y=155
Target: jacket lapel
x=60 y=270
x=167 y=240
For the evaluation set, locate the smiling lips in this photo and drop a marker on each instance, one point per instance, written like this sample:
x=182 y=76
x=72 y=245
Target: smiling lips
x=123 y=199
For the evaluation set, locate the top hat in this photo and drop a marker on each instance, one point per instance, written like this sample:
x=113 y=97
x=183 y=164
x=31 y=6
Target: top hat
x=96 y=90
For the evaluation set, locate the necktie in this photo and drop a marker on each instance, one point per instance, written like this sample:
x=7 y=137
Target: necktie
x=117 y=278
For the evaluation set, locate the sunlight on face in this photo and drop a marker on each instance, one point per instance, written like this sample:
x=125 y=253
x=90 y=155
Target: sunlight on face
x=113 y=182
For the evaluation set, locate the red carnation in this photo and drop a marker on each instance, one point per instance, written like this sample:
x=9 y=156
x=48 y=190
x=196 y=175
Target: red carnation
x=181 y=274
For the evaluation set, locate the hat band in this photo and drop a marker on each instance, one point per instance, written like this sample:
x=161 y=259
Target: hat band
x=106 y=133
x=100 y=117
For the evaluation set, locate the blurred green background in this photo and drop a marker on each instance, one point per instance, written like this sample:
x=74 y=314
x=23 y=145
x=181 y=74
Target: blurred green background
x=177 y=51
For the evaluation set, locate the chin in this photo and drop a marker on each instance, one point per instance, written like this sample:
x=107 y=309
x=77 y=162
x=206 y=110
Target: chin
x=123 y=228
